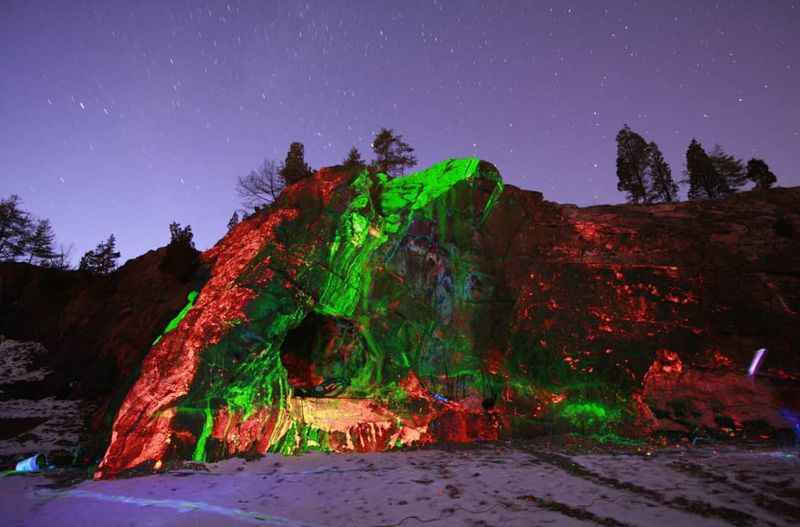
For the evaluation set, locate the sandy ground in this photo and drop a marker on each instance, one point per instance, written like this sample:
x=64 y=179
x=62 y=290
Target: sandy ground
x=501 y=485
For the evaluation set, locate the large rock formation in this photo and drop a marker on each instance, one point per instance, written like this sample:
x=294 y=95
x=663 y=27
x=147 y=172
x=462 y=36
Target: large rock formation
x=360 y=312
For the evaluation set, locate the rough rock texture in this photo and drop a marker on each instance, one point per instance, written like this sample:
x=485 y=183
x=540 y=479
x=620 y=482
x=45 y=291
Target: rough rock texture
x=672 y=298
x=37 y=423
x=96 y=329
x=365 y=313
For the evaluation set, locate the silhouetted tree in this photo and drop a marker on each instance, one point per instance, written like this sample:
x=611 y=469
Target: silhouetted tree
x=101 y=260
x=88 y=261
x=354 y=161
x=234 y=221
x=729 y=169
x=295 y=167
x=180 y=258
x=704 y=181
x=759 y=173
x=61 y=258
x=181 y=235
x=16 y=229
x=23 y=235
x=392 y=154
x=41 y=243
x=261 y=187
x=633 y=159
x=662 y=187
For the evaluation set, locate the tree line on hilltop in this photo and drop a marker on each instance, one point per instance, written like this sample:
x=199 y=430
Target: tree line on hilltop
x=103 y=258
x=642 y=172
x=646 y=177
x=263 y=185
x=24 y=238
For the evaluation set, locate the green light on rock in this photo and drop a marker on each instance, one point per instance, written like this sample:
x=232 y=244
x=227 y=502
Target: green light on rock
x=346 y=280
x=191 y=297
x=200 y=447
x=590 y=416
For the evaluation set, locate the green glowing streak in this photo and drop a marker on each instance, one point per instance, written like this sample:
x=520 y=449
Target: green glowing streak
x=350 y=251
x=301 y=438
x=384 y=208
x=612 y=438
x=244 y=368
x=200 y=448
x=362 y=229
x=191 y=297
x=261 y=380
x=314 y=439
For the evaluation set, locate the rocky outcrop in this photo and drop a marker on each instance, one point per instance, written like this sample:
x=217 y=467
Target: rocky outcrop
x=670 y=301
x=96 y=329
x=39 y=422
x=360 y=312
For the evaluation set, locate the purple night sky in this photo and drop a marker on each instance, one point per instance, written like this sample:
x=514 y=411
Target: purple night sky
x=121 y=119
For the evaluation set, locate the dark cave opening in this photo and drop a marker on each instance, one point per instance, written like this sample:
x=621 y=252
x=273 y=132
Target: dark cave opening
x=301 y=348
x=321 y=354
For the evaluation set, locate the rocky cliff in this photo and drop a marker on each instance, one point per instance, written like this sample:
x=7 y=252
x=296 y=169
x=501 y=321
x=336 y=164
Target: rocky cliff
x=360 y=312
x=95 y=330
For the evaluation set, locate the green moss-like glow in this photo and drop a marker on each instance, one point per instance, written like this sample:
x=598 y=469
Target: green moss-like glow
x=585 y=411
x=369 y=225
x=369 y=241
x=191 y=297
x=301 y=438
x=365 y=225
x=590 y=416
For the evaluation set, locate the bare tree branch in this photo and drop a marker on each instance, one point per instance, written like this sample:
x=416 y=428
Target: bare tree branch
x=262 y=186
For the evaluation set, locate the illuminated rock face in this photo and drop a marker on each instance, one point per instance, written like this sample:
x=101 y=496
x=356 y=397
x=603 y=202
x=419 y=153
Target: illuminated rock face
x=366 y=313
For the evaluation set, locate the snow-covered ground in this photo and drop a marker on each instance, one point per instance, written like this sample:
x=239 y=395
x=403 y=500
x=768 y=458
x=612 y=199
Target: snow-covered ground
x=499 y=484
x=504 y=485
x=16 y=362
x=29 y=426
x=59 y=430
